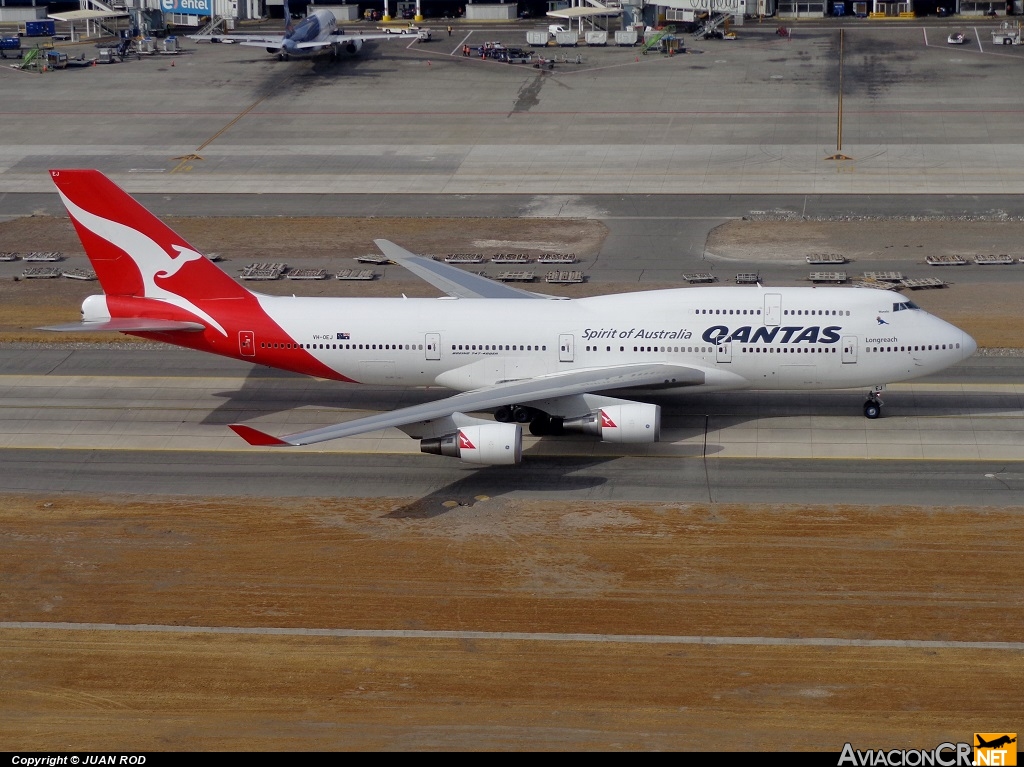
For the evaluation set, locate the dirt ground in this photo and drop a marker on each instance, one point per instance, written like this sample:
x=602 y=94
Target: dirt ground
x=988 y=311
x=502 y=566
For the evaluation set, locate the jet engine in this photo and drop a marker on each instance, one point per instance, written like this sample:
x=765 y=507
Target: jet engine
x=634 y=423
x=489 y=444
x=354 y=46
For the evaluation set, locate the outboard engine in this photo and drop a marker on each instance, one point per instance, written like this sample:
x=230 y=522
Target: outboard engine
x=489 y=444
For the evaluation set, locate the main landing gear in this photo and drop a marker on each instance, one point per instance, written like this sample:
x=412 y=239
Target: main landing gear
x=541 y=424
x=873 y=406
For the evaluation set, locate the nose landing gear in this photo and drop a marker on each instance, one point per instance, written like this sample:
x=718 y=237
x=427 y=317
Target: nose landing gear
x=873 y=405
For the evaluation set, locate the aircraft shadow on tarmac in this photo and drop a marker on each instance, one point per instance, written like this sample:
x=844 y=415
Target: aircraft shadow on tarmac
x=552 y=476
x=267 y=392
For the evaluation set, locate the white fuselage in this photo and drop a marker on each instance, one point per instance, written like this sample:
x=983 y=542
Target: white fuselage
x=759 y=338
x=315 y=28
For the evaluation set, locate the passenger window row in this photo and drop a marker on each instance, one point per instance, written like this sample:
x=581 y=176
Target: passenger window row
x=667 y=349
x=816 y=312
x=727 y=311
x=498 y=348
x=922 y=348
x=789 y=349
x=395 y=347
x=785 y=312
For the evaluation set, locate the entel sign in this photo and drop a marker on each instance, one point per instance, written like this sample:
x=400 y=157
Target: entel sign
x=192 y=7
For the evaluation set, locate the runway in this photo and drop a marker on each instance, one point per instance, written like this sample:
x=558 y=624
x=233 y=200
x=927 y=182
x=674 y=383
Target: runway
x=155 y=421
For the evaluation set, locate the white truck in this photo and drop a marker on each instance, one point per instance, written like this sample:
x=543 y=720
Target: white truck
x=1007 y=34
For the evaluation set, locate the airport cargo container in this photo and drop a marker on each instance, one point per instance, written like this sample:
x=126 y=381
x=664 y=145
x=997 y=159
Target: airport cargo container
x=537 y=37
x=626 y=37
x=44 y=28
x=11 y=45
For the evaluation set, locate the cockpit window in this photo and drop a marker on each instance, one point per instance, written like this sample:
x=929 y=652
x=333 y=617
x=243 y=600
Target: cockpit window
x=903 y=305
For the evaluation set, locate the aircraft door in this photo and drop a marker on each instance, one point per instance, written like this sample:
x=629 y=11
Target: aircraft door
x=565 y=347
x=849 y=348
x=724 y=351
x=432 y=346
x=772 y=308
x=247 y=343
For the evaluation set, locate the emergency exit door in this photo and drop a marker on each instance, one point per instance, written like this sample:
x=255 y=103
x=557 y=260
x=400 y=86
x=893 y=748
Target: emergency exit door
x=565 y=347
x=432 y=346
x=247 y=343
x=849 y=348
x=772 y=309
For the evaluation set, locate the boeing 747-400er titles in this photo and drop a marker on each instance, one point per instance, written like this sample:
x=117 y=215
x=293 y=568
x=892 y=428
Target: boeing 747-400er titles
x=317 y=33
x=528 y=358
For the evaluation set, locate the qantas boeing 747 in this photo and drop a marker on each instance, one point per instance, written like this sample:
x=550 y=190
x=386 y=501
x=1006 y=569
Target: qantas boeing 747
x=552 y=364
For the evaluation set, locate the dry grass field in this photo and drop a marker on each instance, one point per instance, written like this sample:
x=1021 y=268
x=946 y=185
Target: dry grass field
x=502 y=566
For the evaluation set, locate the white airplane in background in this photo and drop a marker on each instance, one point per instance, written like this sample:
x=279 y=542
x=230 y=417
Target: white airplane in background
x=528 y=358
x=317 y=33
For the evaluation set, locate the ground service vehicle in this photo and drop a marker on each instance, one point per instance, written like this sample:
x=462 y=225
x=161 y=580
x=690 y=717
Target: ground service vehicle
x=1007 y=34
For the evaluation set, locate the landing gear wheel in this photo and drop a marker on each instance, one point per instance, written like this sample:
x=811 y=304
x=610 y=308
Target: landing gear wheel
x=503 y=414
x=522 y=414
x=872 y=409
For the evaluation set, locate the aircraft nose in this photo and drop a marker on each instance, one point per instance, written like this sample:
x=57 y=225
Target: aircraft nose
x=968 y=346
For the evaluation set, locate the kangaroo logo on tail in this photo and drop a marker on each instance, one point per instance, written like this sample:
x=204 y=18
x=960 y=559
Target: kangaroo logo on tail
x=152 y=260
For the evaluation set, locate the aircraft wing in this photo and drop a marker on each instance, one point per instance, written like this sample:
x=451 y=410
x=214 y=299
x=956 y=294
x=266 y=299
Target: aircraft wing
x=450 y=279
x=524 y=391
x=342 y=37
x=275 y=41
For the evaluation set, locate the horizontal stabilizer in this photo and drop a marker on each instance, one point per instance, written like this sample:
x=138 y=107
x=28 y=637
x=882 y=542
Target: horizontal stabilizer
x=128 y=325
x=255 y=436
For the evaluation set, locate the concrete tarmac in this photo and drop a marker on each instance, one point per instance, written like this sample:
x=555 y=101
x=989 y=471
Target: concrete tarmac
x=863 y=110
x=76 y=421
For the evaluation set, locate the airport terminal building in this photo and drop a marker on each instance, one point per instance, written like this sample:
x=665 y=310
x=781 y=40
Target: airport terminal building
x=583 y=14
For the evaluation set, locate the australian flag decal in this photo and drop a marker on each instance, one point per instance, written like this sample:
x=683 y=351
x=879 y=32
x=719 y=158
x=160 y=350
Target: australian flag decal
x=343 y=336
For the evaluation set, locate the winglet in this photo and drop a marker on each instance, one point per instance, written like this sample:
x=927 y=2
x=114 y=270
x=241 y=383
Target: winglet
x=255 y=436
